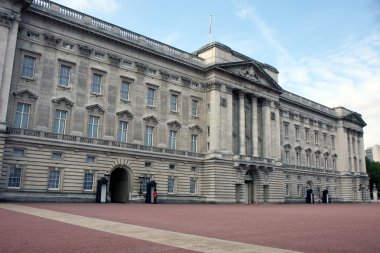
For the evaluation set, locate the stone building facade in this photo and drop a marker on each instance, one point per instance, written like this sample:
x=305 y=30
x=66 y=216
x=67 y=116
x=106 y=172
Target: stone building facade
x=81 y=98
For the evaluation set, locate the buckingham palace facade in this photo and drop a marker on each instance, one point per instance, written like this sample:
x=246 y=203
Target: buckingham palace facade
x=82 y=99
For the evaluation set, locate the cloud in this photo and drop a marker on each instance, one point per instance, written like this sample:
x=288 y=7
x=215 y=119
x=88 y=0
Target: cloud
x=89 y=5
x=170 y=39
x=348 y=77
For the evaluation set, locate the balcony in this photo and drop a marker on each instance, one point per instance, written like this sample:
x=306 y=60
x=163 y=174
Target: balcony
x=97 y=142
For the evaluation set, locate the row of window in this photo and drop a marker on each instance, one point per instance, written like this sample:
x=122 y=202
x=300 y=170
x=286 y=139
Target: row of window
x=307 y=135
x=28 y=68
x=54 y=178
x=93 y=127
x=317 y=159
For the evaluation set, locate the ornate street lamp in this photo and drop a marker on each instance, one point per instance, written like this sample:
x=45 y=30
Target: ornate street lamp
x=141 y=177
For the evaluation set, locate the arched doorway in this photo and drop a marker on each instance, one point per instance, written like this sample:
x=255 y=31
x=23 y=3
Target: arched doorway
x=119 y=186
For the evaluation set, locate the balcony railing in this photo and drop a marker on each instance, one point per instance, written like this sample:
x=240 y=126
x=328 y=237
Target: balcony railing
x=102 y=142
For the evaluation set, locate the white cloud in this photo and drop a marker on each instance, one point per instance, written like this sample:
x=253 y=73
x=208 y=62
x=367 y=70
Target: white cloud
x=87 y=5
x=349 y=77
x=170 y=39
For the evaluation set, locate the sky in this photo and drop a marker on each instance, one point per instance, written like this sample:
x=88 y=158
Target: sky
x=326 y=50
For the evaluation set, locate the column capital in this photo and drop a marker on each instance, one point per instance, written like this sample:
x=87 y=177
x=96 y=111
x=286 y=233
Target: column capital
x=212 y=85
x=229 y=89
x=266 y=101
x=241 y=94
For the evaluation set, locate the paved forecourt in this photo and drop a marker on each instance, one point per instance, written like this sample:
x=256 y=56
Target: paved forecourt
x=192 y=228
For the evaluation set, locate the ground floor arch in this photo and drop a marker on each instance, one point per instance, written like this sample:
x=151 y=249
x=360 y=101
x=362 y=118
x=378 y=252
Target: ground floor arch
x=119 y=185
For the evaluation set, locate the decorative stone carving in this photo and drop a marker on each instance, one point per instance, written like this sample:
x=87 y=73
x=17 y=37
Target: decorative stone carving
x=95 y=108
x=63 y=100
x=213 y=85
x=229 y=89
x=126 y=114
x=175 y=125
x=186 y=80
x=291 y=114
x=7 y=18
x=272 y=116
x=266 y=102
x=277 y=104
x=51 y=40
x=249 y=73
x=151 y=120
x=25 y=93
x=85 y=50
x=195 y=129
x=223 y=102
x=114 y=59
x=164 y=74
x=141 y=67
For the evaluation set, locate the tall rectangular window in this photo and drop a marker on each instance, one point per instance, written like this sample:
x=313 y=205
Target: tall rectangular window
x=334 y=163
x=287 y=190
x=286 y=129
x=173 y=102
x=308 y=160
x=124 y=93
x=14 y=180
x=194 y=107
x=307 y=134
x=324 y=139
x=96 y=83
x=54 y=179
x=194 y=143
x=88 y=181
x=316 y=137
x=64 y=75
x=93 y=127
x=297 y=132
x=171 y=184
x=193 y=185
x=326 y=163
x=172 y=139
x=122 y=132
x=286 y=161
x=59 y=121
x=151 y=95
x=149 y=136
x=28 y=66
x=22 y=115
x=317 y=161
x=298 y=158
x=332 y=141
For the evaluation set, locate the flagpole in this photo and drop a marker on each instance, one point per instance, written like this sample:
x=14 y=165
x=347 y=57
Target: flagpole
x=211 y=39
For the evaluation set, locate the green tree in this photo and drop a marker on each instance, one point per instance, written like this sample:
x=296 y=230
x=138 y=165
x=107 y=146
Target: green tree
x=373 y=171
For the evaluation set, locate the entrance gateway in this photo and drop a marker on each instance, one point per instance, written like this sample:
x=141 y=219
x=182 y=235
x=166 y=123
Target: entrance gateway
x=119 y=186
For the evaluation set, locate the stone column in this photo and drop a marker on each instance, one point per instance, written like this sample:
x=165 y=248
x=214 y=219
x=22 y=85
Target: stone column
x=242 y=150
x=278 y=132
x=228 y=123
x=266 y=128
x=215 y=122
x=9 y=22
x=255 y=132
x=350 y=156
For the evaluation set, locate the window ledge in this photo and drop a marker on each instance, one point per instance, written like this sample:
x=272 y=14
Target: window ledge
x=96 y=94
x=127 y=101
x=28 y=79
x=62 y=87
x=151 y=107
x=174 y=112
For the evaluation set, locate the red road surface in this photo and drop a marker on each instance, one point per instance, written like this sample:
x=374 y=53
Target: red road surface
x=308 y=228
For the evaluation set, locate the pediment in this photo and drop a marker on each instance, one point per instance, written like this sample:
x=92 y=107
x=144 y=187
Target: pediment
x=25 y=93
x=251 y=71
x=95 y=108
x=174 y=124
x=63 y=100
x=151 y=120
x=125 y=113
x=356 y=118
x=195 y=129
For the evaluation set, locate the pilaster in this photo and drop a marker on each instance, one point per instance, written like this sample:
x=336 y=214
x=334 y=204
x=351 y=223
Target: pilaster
x=242 y=150
x=266 y=128
x=215 y=117
x=255 y=132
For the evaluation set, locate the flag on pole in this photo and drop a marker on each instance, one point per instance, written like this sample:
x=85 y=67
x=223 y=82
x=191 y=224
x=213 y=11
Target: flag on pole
x=210 y=24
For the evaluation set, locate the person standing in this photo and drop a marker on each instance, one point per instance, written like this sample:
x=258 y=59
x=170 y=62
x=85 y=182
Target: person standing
x=155 y=196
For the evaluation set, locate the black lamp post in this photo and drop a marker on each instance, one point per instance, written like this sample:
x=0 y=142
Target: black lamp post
x=107 y=177
x=141 y=181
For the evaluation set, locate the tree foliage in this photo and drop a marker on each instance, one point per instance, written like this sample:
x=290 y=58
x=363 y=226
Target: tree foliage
x=373 y=171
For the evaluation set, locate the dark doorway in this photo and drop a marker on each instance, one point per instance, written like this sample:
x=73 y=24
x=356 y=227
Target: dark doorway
x=119 y=186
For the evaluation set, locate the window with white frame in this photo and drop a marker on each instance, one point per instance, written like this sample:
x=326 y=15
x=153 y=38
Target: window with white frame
x=286 y=158
x=22 y=115
x=173 y=102
x=88 y=181
x=332 y=141
x=194 y=107
x=308 y=160
x=298 y=158
x=56 y=156
x=96 y=83
x=124 y=91
x=324 y=139
x=28 y=66
x=307 y=135
x=194 y=143
x=90 y=159
x=59 y=124
x=171 y=183
x=193 y=185
x=93 y=126
x=299 y=190
x=149 y=136
x=127 y=64
x=151 y=96
x=317 y=165
x=297 y=132
x=286 y=129
x=172 y=139
x=326 y=163
x=14 y=180
x=18 y=152
x=334 y=163
x=54 y=176
x=64 y=75
x=123 y=131
x=145 y=181
x=287 y=190
x=316 y=137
